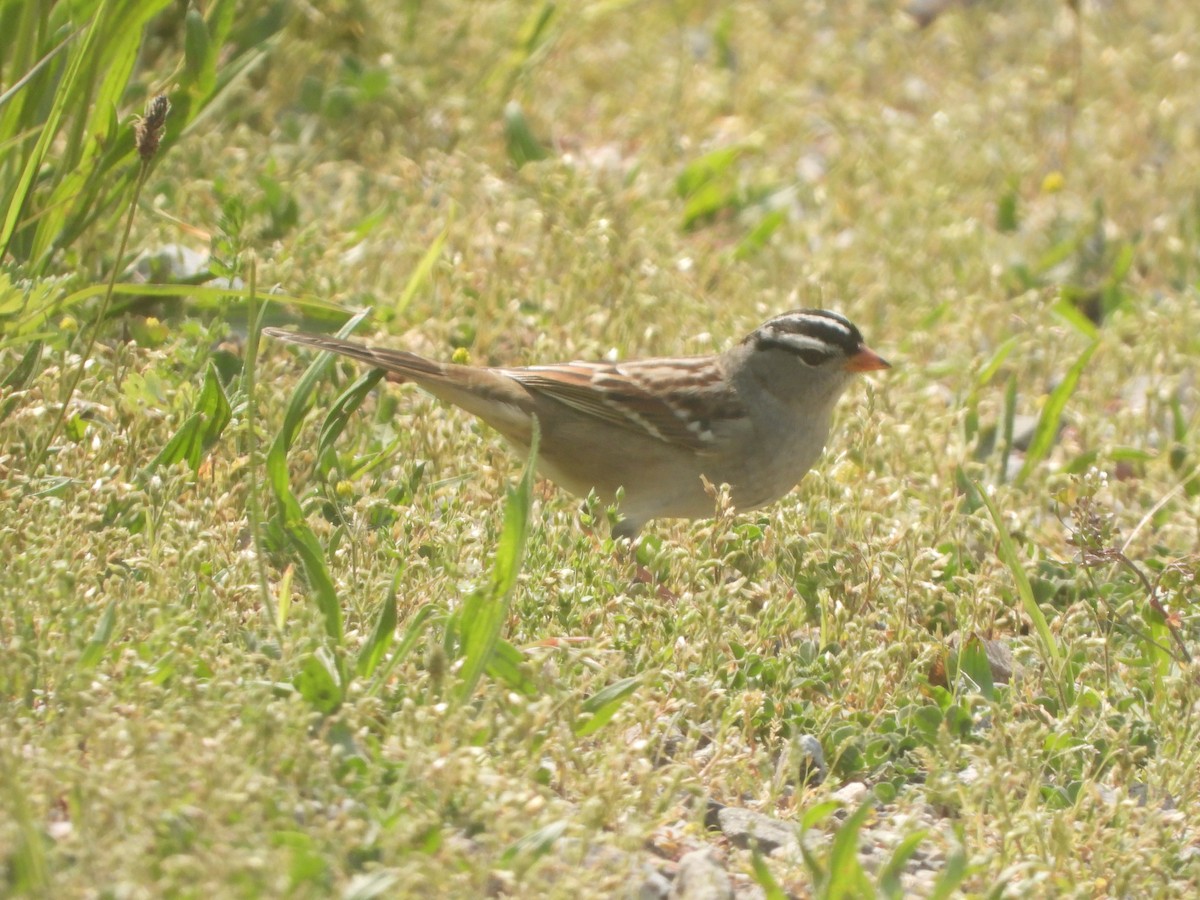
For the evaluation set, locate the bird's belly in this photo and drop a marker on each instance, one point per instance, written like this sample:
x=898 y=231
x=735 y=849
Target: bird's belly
x=659 y=482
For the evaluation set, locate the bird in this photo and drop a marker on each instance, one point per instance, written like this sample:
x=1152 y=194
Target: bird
x=652 y=431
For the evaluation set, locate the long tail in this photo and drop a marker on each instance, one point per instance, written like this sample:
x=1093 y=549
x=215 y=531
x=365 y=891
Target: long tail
x=399 y=363
x=495 y=397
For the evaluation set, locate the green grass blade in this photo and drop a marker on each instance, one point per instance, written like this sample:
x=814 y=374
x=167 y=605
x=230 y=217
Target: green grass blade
x=599 y=708
x=771 y=888
x=96 y=647
x=346 y=406
x=277 y=472
x=846 y=876
x=425 y=267
x=215 y=408
x=424 y=617
x=953 y=874
x=382 y=636
x=184 y=444
x=1012 y=560
x=25 y=79
x=533 y=846
x=18 y=379
x=316 y=574
x=889 y=876
x=1051 y=417
x=507 y=666
x=301 y=537
x=485 y=610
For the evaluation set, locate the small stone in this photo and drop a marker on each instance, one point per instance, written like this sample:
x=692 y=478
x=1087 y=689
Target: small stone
x=851 y=794
x=747 y=829
x=701 y=877
x=655 y=885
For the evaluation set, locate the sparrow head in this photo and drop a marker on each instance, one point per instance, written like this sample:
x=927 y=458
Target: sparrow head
x=819 y=339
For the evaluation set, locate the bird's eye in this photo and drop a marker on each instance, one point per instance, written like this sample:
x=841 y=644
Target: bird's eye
x=812 y=357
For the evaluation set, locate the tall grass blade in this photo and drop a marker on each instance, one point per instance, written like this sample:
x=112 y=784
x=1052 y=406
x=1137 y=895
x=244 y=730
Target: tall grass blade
x=889 y=876
x=382 y=636
x=1051 y=417
x=507 y=666
x=344 y=407
x=96 y=647
x=301 y=537
x=425 y=267
x=771 y=888
x=18 y=379
x=486 y=609
x=277 y=472
x=846 y=879
x=1012 y=561
x=424 y=617
x=599 y=708
x=973 y=662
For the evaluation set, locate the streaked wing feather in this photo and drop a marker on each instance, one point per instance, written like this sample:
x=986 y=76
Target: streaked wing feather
x=676 y=401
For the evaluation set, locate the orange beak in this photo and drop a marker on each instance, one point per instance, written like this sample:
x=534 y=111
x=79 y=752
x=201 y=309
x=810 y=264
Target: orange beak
x=866 y=360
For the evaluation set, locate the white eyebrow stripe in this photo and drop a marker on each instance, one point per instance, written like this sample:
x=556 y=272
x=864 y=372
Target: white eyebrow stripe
x=803 y=342
x=820 y=322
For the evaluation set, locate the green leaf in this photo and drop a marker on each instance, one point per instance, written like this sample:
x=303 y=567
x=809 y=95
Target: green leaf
x=814 y=816
x=522 y=146
x=214 y=406
x=707 y=201
x=423 y=617
x=196 y=50
x=712 y=166
x=889 y=876
x=75 y=428
x=764 y=878
x=992 y=366
x=425 y=267
x=200 y=430
x=846 y=876
x=184 y=444
x=507 y=666
x=94 y=651
x=534 y=845
x=953 y=874
x=305 y=543
x=1051 y=417
x=1074 y=316
x=376 y=647
x=1121 y=264
x=344 y=407
x=319 y=682
x=20 y=375
x=1012 y=560
x=973 y=662
x=760 y=234
x=599 y=709
x=486 y=609
x=316 y=575
x=1006 y=211
x=1010 y=418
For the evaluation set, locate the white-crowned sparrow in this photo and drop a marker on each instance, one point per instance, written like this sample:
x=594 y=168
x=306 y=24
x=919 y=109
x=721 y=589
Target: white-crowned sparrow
x=755 y=417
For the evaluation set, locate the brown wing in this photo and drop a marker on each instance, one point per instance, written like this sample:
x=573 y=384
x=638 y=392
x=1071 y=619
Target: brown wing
x=678 y=401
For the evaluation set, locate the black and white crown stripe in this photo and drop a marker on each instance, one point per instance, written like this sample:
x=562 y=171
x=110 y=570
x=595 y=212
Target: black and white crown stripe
x=815 y=335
